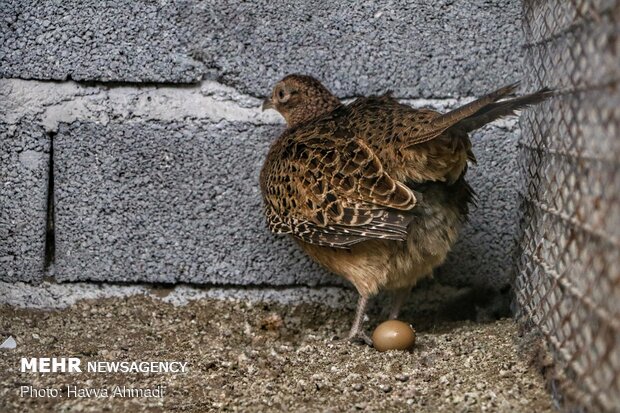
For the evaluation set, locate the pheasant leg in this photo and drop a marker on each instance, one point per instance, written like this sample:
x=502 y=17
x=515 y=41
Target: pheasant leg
x=399 y=298
x=357 y=332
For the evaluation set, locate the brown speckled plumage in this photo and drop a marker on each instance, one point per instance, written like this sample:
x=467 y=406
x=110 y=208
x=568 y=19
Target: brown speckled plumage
x=373 y=190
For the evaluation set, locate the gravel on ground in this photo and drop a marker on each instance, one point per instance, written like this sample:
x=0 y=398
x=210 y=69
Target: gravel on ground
x=255 y=357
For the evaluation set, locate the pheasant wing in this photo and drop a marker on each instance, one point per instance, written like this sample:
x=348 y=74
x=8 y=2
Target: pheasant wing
x=327 y=187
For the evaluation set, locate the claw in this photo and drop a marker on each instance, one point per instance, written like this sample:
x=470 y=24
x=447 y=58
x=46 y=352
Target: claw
x=360 y=336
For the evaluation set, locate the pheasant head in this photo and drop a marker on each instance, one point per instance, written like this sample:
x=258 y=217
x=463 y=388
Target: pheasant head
x=300 y=99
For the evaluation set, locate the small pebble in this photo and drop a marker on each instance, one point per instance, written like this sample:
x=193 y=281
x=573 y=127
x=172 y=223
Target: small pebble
x=402 y=377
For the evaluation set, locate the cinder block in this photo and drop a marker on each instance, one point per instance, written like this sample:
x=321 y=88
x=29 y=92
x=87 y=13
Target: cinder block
x=419 y=49
x=92 y=40
x=24 y=170
x=168 y=202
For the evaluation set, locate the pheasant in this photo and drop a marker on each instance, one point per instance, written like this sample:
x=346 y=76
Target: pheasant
x=375 y=190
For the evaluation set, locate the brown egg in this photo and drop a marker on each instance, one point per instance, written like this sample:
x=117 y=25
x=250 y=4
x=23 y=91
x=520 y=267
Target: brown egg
x=393 y=335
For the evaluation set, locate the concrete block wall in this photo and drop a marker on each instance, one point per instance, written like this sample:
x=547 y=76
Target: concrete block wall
x=24 y=166
x=152 y=110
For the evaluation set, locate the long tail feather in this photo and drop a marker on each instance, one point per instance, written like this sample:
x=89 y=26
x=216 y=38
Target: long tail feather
x=500 y=109
x=448 y=119
x=479 y=112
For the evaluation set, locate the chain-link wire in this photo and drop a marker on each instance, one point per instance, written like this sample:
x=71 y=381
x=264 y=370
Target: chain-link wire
x=568 y=282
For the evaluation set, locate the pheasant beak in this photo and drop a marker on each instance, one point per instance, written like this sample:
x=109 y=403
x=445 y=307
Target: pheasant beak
x=267 y=104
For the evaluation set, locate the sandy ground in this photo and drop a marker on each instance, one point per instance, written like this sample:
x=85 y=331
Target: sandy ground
x=245 y=356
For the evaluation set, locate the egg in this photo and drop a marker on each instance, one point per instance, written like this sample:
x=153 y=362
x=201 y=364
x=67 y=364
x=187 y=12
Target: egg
x=393 y=335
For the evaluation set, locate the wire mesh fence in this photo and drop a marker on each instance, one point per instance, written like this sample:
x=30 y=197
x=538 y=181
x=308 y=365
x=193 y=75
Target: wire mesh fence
x=568 y=282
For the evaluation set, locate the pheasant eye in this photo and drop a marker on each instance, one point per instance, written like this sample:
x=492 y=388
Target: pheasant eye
x=283 y=95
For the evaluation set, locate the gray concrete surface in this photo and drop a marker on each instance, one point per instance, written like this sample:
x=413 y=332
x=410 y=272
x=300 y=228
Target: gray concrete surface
x=108 y=41
x=443 y=302
x=157 y=181
x=159 y=184
x=24 y=166
x=418 y=49
x=168 y=202
x=49 y=295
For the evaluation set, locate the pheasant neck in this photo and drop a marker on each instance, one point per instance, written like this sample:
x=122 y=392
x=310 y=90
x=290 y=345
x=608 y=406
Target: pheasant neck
x=320 y=108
